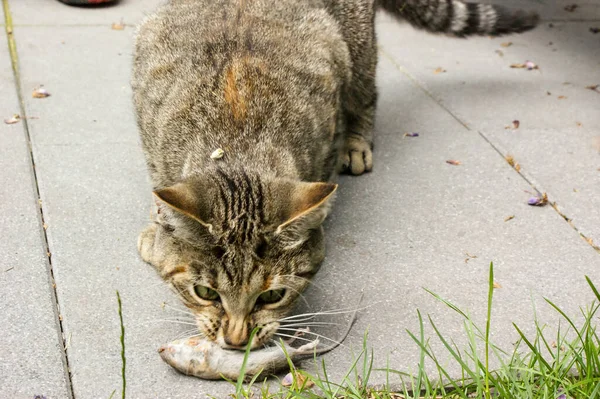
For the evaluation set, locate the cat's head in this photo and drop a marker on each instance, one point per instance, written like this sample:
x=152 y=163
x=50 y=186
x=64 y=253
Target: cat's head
x=245 y=248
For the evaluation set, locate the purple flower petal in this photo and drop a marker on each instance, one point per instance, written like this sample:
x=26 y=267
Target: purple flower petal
x=534 y=201
x=288 y=380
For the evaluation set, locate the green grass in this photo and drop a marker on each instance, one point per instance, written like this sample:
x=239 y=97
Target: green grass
x=567 y=365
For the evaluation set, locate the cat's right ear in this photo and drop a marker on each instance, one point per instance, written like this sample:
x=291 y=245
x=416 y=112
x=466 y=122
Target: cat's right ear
x=184 y=199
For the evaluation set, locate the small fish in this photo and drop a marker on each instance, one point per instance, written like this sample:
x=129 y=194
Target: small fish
x=206 y=359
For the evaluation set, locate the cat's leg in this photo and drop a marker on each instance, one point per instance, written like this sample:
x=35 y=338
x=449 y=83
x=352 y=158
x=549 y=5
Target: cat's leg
x=360 y=97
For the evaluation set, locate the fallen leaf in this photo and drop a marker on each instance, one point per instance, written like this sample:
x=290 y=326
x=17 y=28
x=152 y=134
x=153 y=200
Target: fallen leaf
x=497 y=285
x=217 y=154
x=411 y=134
x=14 y=119
x=571 y=7
x=40 y=92
x=537 y=201
x=500 y=53
x=439 y=70
x=506 y=44
x=562 y=97
x=511 y=217
x=118 y=26
x=453 y=162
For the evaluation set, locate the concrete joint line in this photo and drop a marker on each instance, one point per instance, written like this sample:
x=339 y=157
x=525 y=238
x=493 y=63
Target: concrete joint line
x=12 y=47
x=530 y=181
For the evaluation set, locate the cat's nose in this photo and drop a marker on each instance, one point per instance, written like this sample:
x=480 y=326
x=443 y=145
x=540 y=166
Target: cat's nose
x=236 y=333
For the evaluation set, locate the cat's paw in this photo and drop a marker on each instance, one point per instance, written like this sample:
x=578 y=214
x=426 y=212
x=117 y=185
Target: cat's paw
x=145 y=242
x=356 y=157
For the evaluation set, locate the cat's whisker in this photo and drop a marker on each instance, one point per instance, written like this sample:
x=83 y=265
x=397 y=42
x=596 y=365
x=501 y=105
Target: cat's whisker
x=309 y=332
x=179 y=310
x=311 y=324
x=175 y=322
x=184 y=335
x=310 y=340
x=299 y=294
x=329 y=312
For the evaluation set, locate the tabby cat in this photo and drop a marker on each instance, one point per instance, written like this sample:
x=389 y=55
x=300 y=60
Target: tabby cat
x=246 y=110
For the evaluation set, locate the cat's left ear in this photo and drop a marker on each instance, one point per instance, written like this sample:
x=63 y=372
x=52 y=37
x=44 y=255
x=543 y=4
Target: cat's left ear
x=186 y=199
x=307 y=206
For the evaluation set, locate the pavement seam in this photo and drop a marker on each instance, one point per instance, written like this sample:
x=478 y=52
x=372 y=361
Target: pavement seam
x=12 y=48
x=536 y=186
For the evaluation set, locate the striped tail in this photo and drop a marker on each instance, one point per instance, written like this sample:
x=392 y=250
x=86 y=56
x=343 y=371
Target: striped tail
x=458 y=18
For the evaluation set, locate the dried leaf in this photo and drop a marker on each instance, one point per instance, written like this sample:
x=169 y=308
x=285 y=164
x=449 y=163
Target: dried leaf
x=509 y=158
x=511 y=217
x=506 y=44
x=411 y=134
x=453 y=162
x=118 y=26
x=537 y=201
x=571 y=7
x=497 y=285
x=217 y=154
x=40 y=92
x=439 y=70
x=12 y=120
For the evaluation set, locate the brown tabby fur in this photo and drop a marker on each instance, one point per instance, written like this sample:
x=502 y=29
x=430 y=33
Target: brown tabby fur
x=286 y=88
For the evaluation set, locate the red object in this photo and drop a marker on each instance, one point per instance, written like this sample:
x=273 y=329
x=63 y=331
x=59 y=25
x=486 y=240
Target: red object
x=85 y=2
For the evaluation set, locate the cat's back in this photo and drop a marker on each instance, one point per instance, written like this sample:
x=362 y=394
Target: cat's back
x=222 y=73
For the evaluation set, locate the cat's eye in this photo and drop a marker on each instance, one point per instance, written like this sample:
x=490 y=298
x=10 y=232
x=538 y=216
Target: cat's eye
x=272 y=296
x=206 y=293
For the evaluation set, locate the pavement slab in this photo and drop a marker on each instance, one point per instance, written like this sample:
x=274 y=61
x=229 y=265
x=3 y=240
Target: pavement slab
x=415 y=221
x=31 y=345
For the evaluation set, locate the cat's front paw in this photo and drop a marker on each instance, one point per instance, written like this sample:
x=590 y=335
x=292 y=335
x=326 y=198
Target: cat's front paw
x=145 y=242
x=356 y=157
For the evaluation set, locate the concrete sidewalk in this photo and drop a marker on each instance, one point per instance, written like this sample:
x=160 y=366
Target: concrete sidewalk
x=74 y=194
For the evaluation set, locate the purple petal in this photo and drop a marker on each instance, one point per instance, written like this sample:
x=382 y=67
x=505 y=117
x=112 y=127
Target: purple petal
x=534 y=201
x=562 y=396
x=288 y=380
x=412 y=134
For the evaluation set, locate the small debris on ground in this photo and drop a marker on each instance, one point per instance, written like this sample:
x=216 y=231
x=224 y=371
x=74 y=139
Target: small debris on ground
x=511 y=161
x=469 y=257
x=217 y=154
x=506 y=44
x=593 y=88
x=515 y=125
x=529 y=65
x=562 y=97
x=594 y=30
x=571 y=7
x=538 y=201
x=12 y=120
x=453 y=162
x=439 y=70
x=511 y=217
x=500 y=53
x=411 y=134
x=40 y=92
x=117 y=26
x=578 y=124
x=301 y=380
x=497 y=285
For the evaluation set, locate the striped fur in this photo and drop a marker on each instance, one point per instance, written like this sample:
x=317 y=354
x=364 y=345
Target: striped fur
x=459 y=18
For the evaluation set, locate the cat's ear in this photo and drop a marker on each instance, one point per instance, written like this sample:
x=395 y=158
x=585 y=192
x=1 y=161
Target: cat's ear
x=307 y=206
x=186 y=199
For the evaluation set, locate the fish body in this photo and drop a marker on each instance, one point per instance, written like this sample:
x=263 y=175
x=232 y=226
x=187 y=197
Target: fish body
x=205 y=359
